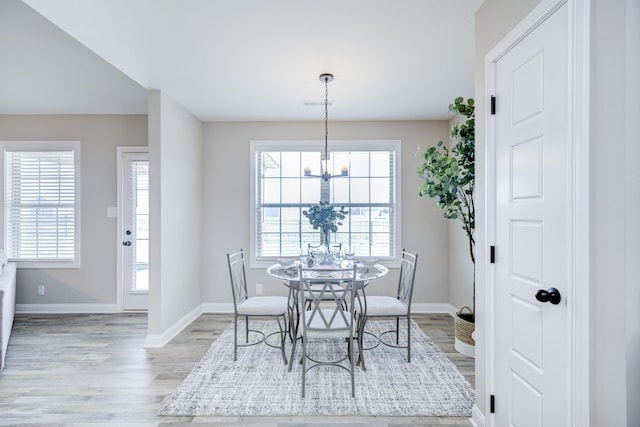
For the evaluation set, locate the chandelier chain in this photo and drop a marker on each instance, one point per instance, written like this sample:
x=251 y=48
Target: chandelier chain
x=326 y=120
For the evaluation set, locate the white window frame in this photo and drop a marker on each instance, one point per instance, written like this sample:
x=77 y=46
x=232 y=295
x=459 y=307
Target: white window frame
x=318 y=146
x=23 y=146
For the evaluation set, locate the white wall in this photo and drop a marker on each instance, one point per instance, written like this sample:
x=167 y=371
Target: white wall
x=94 y=285
x=175 y=169
x=226 y=208
x=632 y=150
x=612 y=194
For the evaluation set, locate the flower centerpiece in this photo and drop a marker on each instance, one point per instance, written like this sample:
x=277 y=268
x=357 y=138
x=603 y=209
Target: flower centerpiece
x=327 y=218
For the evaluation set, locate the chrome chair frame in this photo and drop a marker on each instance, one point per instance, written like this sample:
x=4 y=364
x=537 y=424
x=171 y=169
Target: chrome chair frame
x=327 y=317
x=259 y=306
x=373 y=306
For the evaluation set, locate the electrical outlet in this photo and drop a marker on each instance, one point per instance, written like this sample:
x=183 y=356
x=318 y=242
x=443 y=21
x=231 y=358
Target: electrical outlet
x=40 y=290
x=258 y=288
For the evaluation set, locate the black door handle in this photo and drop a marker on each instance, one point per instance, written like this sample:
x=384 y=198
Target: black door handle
x=551 y=295
x=126 y=243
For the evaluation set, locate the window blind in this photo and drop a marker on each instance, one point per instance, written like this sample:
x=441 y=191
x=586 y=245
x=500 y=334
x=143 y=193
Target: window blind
x=40 y=205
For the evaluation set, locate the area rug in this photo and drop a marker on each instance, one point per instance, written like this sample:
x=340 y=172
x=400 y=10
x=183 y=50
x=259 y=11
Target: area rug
x=259 y=384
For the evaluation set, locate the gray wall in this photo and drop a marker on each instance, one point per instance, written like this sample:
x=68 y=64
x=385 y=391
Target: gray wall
x=226 y=219
x=95 y=281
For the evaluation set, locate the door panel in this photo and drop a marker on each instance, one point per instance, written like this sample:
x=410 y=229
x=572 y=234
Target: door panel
x=532 y=190
x=135 y=230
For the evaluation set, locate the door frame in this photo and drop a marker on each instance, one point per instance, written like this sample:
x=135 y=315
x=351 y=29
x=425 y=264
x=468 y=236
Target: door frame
x=578 y=286
x=120 y=229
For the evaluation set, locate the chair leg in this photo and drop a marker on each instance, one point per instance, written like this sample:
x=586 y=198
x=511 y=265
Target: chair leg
x=352 y=362
x=409 y=338
x=283 y=333
x=246 y=328
x=397 y=331
x=235 y=338
x=304 y=367
x=361 y=324
x=293 y=348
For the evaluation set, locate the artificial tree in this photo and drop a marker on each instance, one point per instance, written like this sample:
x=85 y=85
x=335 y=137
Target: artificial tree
x=449 y=176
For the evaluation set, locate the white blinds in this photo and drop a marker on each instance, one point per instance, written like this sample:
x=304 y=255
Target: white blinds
x=40 y=205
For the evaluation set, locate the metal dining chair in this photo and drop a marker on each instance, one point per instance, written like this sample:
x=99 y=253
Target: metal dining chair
x=387 y=307
x=327 y=318
x=259 y=306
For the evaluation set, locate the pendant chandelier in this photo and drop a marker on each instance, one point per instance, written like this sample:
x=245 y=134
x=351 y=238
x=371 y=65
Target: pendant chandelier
x=325 y=175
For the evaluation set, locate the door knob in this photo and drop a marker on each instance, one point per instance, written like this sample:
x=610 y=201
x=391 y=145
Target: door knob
x=551 y=295
x=126 y=243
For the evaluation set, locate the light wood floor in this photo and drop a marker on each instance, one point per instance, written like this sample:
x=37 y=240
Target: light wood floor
x=93 y=369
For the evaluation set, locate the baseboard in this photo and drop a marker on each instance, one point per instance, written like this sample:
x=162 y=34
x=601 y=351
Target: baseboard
x=160 y=340
x=433 y=308
x=222 y=308
x=66 y=308
x=477 y=418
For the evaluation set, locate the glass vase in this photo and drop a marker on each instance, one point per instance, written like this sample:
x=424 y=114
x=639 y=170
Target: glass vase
x=326 y=242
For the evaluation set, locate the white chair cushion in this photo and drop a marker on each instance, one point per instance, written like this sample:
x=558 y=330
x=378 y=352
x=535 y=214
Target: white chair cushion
x=263 y=306
x=384 y=306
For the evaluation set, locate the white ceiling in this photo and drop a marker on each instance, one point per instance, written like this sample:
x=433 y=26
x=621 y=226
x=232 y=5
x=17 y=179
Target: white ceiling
x=237 y=59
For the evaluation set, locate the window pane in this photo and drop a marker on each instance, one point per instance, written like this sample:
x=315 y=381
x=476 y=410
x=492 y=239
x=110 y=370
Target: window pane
x=340 y=161
x=310 y=190
x=311 y=161
x=380 y=188
x=291 y=190
x=380 y=164
x=291 y=164
x=340 y=190
x=271 y=190
x=359 y=164
x=270 y=164
x=359 y=190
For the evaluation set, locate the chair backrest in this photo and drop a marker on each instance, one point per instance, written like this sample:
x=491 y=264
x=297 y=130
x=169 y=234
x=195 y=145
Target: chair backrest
x=325 y=292
x=407 y=277
x=237 y=276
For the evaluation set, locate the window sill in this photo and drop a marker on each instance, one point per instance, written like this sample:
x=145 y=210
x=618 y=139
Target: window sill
x=46 y=264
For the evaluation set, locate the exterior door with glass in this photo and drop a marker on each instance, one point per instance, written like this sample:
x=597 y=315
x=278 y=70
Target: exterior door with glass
x=134 y=229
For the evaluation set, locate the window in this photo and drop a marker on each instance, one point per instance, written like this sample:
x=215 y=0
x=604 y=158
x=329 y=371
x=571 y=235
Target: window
x=280 y=192
x=41 y=222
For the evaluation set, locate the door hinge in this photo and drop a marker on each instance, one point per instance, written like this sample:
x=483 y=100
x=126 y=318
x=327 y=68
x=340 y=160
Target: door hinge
x=492 y=254
x=492 y=404
x=493 y=105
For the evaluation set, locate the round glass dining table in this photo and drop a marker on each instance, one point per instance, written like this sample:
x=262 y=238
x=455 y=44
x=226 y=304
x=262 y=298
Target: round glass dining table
x=364 y=273
x=289 y=276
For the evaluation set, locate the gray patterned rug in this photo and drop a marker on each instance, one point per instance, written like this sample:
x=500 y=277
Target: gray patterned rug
x=258 y=383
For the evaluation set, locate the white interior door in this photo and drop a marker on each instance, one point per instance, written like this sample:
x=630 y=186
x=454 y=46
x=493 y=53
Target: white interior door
x=134 y=230
x=531 y=363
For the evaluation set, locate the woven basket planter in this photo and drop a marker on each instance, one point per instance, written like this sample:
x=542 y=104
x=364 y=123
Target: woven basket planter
x=464 y=342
